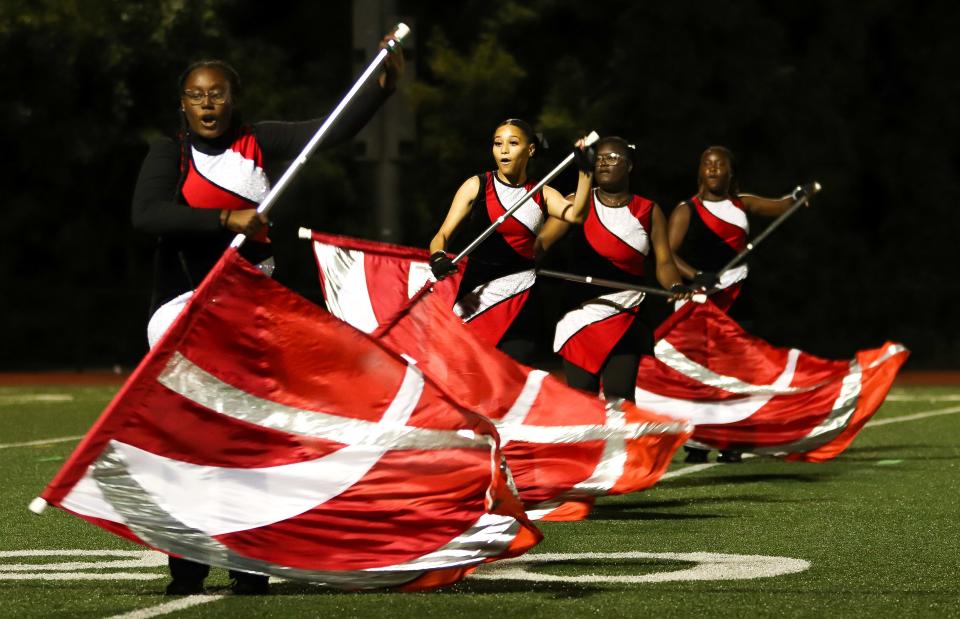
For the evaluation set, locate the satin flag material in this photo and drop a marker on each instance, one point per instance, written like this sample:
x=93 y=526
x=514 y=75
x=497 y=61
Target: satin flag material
x=745 y=395
x=263 y=434
x=563 y=446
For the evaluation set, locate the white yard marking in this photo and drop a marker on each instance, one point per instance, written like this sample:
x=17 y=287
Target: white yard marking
x=906 y=397
x=169 y=607
x=45 y=441
x=921 y=415
x=709 y=566
x=6 y=399
x=75 y=570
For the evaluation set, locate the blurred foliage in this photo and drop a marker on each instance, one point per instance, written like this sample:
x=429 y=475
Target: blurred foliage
x=858 y=96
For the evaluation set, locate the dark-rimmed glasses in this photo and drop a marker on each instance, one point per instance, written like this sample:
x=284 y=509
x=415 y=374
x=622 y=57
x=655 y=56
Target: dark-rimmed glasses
x=610 y=158
x=196 y=97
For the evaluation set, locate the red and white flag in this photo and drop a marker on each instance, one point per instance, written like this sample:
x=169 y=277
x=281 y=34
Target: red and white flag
x=745 y=395
x=564 y=447
x=263 y=434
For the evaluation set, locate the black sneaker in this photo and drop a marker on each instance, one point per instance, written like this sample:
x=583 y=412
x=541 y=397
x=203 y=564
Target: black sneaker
x=185 y=587
x=249 y=584
x=730 y=457
x=696 y=456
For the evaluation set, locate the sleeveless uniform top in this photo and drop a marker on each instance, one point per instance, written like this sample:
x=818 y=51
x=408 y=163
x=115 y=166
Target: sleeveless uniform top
x=511 y=245
x=227 y=177
x=614 y=244
x=499 y=276
x=717 y=233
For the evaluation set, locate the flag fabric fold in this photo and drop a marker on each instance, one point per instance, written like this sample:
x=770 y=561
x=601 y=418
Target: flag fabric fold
x=262 y=434
x=746 y=395
x=564 y=447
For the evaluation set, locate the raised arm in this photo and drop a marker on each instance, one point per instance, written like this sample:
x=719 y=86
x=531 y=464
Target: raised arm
x=574 y=211
x=677 y=227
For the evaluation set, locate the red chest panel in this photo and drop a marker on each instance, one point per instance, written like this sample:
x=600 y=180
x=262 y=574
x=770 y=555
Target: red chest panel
x=231 y=180
x=515 y=232
x=626 y=243
x=734 y=236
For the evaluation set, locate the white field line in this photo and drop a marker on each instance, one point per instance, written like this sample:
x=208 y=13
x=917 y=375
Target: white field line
x=696 y=468
x=921 y=415
x=6 y=399
x=905 y=397
x=169 y=607
x=45 y=441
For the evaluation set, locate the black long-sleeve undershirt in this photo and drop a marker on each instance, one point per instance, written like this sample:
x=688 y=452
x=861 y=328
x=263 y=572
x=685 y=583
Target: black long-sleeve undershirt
x=192 y=239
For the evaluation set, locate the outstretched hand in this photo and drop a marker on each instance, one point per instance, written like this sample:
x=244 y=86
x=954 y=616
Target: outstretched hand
x=807 y=190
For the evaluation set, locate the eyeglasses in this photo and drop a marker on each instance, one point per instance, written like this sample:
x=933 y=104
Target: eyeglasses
x=610 y=158
x=196 y=97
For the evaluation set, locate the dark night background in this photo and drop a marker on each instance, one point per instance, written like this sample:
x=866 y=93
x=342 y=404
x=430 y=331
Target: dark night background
x=860 y=96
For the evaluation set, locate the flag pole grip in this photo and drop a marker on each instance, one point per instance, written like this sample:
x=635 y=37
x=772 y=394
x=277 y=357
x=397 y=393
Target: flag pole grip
x=37 y=505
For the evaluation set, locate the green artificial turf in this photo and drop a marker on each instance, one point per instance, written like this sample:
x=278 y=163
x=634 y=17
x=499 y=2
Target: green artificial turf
x=880 y=527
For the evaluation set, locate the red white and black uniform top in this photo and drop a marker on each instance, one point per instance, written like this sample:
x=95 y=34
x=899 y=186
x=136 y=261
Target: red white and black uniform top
x=184 y=183
x=615 y=244
x=499 y=274
x=510 y=248
x=717 y=232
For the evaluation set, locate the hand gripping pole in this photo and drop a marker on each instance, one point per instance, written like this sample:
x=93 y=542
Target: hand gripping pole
x=401 y=31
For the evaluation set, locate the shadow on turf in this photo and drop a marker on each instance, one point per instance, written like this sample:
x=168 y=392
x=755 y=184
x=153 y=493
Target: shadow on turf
x=560 y=590
x=642 y=510
x=863 y=454
x=753 y=478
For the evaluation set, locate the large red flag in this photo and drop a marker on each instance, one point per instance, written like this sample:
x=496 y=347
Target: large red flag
x=745 y=395
x=563 y=446
x=263 y=434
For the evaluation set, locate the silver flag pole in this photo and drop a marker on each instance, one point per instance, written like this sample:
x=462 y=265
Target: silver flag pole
x=401 y=31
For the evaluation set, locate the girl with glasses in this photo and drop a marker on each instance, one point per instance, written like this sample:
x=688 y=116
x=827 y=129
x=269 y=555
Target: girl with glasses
x=623 y=238
x=198 y=190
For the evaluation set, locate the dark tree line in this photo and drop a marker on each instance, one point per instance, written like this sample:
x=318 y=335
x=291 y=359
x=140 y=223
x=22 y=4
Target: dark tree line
x=859 y=96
